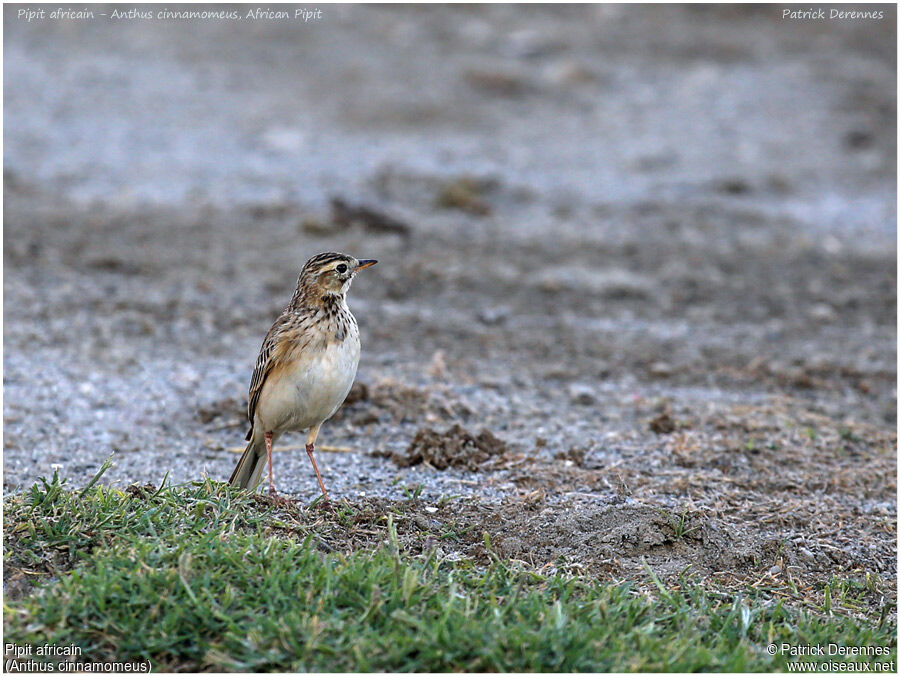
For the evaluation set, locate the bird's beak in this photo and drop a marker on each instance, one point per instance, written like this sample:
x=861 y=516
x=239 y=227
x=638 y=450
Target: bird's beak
x=366 y=263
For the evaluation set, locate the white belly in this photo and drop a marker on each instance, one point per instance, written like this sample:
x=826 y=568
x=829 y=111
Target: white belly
x=310 y=390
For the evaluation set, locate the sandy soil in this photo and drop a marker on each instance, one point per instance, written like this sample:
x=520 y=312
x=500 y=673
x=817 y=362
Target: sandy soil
x=650 y=250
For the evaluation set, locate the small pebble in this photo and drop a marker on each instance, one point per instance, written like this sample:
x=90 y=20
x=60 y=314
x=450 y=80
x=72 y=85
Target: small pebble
x=582 y=394
x=493 y=316
x=660 y=369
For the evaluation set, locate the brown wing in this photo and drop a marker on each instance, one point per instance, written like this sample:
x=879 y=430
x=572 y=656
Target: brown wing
x=268 y=357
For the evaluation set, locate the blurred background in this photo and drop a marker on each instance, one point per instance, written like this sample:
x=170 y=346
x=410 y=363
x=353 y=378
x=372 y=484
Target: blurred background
x=585 y=216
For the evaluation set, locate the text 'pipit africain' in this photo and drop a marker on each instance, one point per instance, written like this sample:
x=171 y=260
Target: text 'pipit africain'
x=305 y=367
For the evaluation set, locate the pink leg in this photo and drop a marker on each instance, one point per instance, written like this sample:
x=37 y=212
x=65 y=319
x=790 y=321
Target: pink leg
x=269 y=454
x=309 y=451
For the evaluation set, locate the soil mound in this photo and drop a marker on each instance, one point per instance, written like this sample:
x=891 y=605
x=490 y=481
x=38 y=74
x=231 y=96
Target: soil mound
x=455 y=447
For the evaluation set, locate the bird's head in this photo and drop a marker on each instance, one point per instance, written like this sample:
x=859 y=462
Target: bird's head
x=330 y=273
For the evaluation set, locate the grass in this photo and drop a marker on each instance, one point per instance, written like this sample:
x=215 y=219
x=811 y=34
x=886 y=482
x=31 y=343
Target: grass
x=201 y=576
x=678 y=523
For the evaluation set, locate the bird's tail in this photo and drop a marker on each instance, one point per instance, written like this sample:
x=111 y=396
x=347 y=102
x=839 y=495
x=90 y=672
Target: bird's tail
x=249 y=469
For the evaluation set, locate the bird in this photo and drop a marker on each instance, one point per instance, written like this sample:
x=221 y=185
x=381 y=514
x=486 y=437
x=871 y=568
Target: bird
x=305 y=368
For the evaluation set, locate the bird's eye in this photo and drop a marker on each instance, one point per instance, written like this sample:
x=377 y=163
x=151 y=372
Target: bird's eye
x=341 y=268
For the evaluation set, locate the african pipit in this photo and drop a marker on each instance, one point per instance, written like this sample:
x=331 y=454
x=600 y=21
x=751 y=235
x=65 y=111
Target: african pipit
x=305 y=367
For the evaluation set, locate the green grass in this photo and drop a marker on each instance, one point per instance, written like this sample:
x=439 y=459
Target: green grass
x=197 y=577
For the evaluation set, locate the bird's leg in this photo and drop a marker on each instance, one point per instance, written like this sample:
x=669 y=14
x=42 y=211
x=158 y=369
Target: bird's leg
x=310 y=447
x=272 y=491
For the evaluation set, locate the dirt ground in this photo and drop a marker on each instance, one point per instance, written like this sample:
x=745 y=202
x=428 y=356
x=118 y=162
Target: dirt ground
x=644 y=258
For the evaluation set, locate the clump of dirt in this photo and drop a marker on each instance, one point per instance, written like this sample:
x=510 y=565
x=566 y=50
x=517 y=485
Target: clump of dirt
x=465 y=193
x=141 y=491
x=663 y=423
x=347 y=216
x=396 y=402
x=496 y=81
x=576 y=454
x=227 y=412
x=455 y=447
